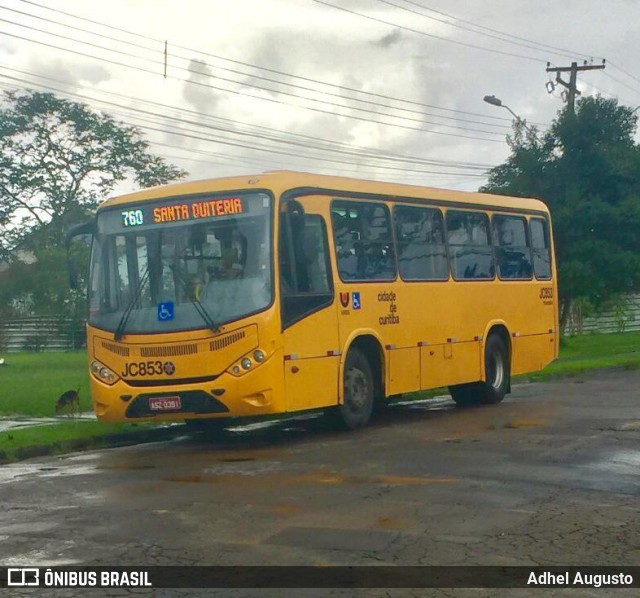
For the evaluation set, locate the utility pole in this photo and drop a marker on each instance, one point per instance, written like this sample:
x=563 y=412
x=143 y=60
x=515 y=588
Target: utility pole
x=573 y=79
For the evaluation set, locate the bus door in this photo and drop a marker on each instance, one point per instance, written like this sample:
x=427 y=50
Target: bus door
x=308 y=310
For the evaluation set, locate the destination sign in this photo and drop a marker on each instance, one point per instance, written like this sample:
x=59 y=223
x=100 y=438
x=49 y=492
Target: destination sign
x=186 y=211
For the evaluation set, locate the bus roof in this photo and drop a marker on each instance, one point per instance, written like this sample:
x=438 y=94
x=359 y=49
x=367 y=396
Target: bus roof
x=285 y=180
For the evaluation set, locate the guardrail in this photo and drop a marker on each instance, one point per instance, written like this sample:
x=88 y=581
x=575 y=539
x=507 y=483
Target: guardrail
x=41 y=334
x=624 y=317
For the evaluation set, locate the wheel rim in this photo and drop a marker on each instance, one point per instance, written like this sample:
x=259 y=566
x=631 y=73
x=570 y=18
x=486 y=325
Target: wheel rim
x=496 y=370
x=356 y=389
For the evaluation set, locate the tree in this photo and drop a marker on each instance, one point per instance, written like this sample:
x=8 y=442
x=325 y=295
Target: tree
x=58 y=160
x=586 y=167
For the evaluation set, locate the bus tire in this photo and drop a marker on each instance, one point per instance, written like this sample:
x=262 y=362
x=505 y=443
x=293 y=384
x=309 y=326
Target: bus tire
x=497 y=373
x=464 y=395
x=357 y=394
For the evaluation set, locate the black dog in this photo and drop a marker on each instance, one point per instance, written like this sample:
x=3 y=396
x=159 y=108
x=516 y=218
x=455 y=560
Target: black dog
x=69 y=398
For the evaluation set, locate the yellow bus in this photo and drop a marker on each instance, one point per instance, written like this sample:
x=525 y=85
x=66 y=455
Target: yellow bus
x=286 y=291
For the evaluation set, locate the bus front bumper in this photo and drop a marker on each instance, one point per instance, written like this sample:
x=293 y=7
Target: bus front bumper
x=256 y=392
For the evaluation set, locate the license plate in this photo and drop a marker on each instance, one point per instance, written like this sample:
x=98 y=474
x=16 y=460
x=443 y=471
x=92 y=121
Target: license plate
x=165 y=404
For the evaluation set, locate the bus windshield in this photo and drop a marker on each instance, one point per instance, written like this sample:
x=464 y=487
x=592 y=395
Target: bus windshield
x=177 y=265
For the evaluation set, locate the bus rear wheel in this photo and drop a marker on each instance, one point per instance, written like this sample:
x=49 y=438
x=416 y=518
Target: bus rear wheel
x=357 y=393
x=497 y=373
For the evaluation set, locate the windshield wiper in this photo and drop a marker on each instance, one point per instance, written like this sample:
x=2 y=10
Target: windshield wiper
x=117 y=335
x=202 y=311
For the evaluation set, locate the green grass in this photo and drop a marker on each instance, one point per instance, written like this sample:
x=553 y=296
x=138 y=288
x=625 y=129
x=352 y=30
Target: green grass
x=580 y=354
x=50 y=434
x=30 y=383
x=63 y=437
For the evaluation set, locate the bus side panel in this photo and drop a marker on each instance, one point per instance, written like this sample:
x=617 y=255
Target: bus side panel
x=404 y=370
x=532 y=353
x=312 y=361
x=451 y=363
x=311 y=383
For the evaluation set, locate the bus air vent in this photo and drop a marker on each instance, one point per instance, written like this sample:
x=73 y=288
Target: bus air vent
x=169 y=350
x=117 y=349
x=225 y=341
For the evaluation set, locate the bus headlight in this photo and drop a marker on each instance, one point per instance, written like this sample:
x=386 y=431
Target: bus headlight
x=103 y=373
x=248 y=362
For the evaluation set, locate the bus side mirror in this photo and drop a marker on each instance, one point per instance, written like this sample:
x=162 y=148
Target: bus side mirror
x=86 y=228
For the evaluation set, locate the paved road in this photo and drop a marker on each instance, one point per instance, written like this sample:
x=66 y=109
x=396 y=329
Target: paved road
x=551 y=476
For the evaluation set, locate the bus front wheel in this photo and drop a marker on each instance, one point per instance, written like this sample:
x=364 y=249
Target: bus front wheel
x=497 y=373
x=357 y=393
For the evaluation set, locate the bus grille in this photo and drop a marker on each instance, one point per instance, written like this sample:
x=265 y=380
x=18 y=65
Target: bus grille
x=117 y=349
x=225 y=341
x=169 y=351
x=174 y=350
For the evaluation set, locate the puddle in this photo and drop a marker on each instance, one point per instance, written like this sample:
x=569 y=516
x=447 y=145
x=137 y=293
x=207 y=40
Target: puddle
x=221 y=476
x=621 y=463
x=16 y=422
x=633 y=426
x=433 y=404
x=38 y=558
x=125 y=467
x=247 y=467
x=13 y=471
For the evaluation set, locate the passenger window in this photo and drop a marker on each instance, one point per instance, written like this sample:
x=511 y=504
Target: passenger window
x=541 y=248
x=363 y=242
x=422 y=253
x=512 y=248
x=470 y=252
x=305 y=274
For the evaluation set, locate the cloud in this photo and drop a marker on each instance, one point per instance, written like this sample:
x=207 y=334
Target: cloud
x=195 y=90
x=93 y=74
x=70 y=75
x=390 y=39
x=7 y=47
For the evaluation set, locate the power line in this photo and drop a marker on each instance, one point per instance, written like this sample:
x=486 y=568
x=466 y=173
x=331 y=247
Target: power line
x=269 y=99
x=252 y=66
x=430 y=35
x=615 y=66
x=527 y=43
x=264 y=132
x=153 y=119
x=533 y=45
x=310 y=99
x=634 y=89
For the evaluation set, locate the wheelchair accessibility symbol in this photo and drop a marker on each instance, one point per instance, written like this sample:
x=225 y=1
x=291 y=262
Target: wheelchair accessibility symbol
x=166 y=311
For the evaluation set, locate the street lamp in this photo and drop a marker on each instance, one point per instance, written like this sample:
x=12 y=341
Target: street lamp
x=498 y=102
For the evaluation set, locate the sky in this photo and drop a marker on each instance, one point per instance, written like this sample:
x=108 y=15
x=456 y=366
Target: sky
x=381 y=89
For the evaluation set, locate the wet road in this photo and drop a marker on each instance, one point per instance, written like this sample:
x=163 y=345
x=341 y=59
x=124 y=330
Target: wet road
x=550 y=476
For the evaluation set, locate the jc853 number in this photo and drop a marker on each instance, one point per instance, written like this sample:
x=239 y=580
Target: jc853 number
x=143 y=368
